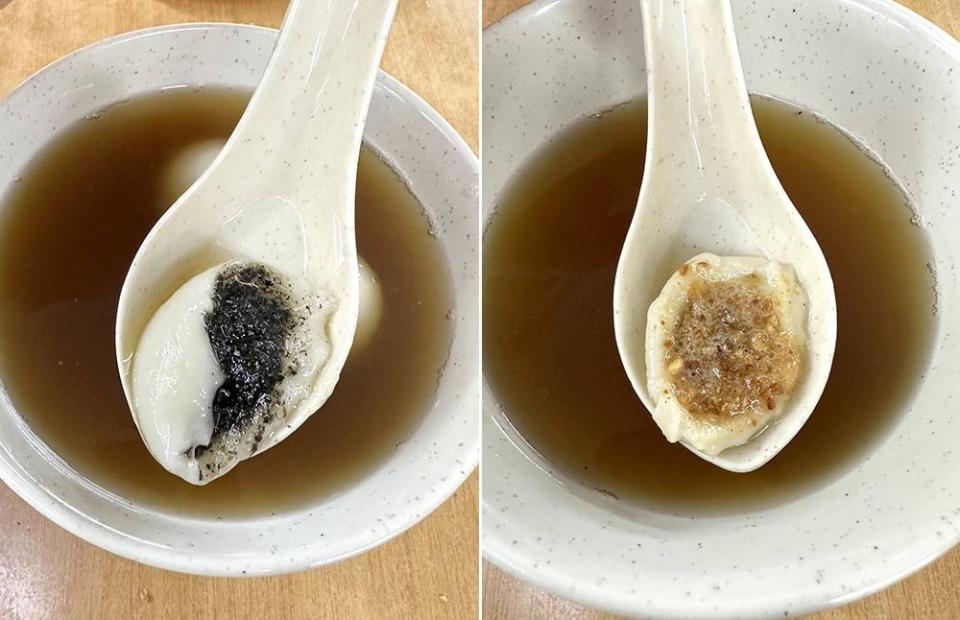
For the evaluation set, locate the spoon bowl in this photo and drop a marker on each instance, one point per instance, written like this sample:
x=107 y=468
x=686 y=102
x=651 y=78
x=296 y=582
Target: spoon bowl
x=709 y=187
x=280 y=192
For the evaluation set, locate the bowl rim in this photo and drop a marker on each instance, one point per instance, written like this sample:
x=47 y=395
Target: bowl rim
x=497 y=548
x=82 y=525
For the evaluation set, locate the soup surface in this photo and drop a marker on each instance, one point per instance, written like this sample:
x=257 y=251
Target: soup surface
x=550 y=254
x=68 y=231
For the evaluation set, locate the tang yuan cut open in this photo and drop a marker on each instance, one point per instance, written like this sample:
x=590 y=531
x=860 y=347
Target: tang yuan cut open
x=224 y=364
x=725 y=342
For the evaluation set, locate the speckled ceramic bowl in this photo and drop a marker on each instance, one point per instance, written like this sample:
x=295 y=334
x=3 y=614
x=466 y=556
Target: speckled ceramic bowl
x=892 y=80
x=417 y=477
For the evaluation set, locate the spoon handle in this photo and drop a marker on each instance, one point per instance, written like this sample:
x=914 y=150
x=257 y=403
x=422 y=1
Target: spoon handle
x=313 y=100
x=699 y=112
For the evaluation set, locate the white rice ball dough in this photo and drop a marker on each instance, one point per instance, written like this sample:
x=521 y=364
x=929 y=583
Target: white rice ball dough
x=725 y=341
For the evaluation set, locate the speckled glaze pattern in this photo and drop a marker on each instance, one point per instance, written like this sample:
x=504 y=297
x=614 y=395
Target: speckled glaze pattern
x=709 y=187
x=417 y=477
x=890 y=79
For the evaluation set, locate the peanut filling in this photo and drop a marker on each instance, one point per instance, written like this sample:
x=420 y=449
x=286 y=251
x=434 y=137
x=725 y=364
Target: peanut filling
x=729 y=354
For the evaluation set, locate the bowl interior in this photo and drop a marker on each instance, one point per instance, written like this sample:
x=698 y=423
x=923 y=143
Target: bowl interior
x=886 y=77
x=441 y=171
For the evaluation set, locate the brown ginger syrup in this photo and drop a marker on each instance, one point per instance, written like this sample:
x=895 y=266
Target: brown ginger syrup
x=550 y=253
x=68 y=231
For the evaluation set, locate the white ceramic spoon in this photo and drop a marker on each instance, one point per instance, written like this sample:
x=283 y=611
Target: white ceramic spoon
x=281 y=192
x=709 y=187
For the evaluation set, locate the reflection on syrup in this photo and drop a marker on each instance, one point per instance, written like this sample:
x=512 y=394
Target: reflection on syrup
x=550 y=254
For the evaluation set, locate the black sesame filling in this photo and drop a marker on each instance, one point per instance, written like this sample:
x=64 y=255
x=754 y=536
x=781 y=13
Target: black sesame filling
x=248 y=328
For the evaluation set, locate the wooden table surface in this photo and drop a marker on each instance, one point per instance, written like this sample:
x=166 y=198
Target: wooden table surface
x=429 y=572
x=931 y=594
